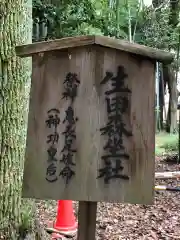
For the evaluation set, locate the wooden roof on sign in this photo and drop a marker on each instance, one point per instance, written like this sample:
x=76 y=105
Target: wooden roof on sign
x=71 y=42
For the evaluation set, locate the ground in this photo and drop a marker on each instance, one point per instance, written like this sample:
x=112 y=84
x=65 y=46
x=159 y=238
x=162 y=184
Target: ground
x=132 y=222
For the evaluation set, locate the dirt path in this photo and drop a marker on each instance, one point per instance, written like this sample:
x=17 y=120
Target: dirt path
x=131 y=222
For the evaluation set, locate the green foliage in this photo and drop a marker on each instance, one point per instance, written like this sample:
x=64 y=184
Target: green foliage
x=26 y=226
x=27 y=217
x=69 y=19
x=159 y=151
x=170 y=143
x=166 y=143
x=154 y=30
x=109 y=18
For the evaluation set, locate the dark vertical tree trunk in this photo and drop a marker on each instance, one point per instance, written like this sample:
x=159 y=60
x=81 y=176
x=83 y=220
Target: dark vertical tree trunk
x=168 y=74
x=173 y=101
x=174 y=14
x=172 y=81
x=169 y=77
x=166 y=81
x=161 y=100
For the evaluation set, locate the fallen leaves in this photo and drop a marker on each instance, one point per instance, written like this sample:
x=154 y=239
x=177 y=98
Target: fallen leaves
x=116 y=221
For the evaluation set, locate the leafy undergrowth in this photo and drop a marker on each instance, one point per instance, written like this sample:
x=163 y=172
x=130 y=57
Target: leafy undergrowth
x=166 y=143
x=130 y=222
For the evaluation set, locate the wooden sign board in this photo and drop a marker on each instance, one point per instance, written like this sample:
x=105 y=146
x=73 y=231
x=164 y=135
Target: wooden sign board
x=91 y=127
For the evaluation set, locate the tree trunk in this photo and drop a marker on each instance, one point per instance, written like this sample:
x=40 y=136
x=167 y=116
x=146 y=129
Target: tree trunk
x=169 y=77
x=161 y=100
x=172 y=83
x=15 y=29
x=174 y=15
x=173 y=103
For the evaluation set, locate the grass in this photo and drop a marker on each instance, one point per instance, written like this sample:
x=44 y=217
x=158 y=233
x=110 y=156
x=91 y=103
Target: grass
x=27 y=218
x=166 y=143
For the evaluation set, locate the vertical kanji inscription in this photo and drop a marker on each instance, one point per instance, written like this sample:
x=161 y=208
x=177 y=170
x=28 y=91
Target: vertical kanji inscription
x=117 y=104
x=71 y=84
x=52 y=122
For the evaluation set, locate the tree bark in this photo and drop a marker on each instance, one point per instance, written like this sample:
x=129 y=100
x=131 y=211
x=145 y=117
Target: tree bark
x=173 y=102
x=172 y=83
x=15 y=29
x=171 y=121
x=174 y=14
x=161 y=100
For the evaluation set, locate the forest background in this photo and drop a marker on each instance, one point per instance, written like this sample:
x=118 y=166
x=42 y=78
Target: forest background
x=22 y=21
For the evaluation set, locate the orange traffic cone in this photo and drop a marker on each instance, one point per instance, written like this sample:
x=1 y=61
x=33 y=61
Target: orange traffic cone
x=65 y=221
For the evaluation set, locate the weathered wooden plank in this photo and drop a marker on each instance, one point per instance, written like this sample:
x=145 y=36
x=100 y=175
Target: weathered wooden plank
x=51 y=45
x=166 y=175
x=134 y=48
x=64 y=43
x=167 y=188
x=91 y=65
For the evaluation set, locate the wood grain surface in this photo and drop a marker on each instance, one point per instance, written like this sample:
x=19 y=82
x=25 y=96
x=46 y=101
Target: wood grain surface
x=91 y=63
x=70 y=42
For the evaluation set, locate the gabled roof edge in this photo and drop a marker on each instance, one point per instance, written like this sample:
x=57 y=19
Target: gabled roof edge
x=134 y=48
x=70 y=42
x=63 y=43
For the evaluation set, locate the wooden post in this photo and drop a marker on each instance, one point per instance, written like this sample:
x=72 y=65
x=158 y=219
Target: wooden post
x=87 y=220
x=167 y=175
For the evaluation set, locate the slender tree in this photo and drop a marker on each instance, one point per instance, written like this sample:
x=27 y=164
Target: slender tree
x=15 y=29
x=172 y=83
